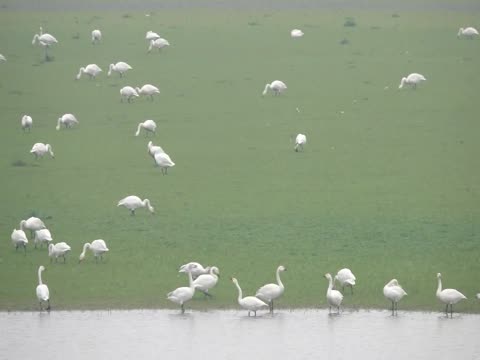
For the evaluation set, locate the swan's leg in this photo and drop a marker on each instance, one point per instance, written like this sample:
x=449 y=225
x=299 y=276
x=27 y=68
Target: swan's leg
x=25 y=248
x=132 y=212
x=41 y=307
x=271 y=307
x=64 y=259
x=51 y=259
x=351 y=286
x=255 y=312
x=248 y=313
x=446 y=310
x=393 y=311
x=183 y=309
x=330 y=309
x=48 y=306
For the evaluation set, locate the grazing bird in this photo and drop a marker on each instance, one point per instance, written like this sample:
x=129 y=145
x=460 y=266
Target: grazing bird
x=448 y=296
x=182 y=294
x=147 y=90
x=270 y=292
x=195 y=268
x=394 y=292
x=276 y=86
x=346 y=278
x=159 y=44
x=92 y=70
x=153 y=149
x=150 y=35
x=334 y=297
x=300 y=141
x=67 y=120
x=413 y=80
x=58 y=250
x=42 y=236
x=296 y=33
x=205 y=282
x=40 y=149
x=120 y=67
x=97 y=247
x=45 y=40
x=43 y=295
x=2 y=58
x=468 y=32
x=26 y=122
x=250 y=303
x=163 y=161
x=128 y=92
x=133 y=202
x=478 y=296
x=19 y=238
x=96 y=36
x=148 y=126
x=32 y=224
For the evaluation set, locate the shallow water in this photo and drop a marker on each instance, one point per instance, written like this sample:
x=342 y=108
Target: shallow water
x=297 y=334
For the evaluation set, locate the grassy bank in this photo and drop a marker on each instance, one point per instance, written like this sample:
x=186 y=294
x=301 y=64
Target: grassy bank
x=388 y=184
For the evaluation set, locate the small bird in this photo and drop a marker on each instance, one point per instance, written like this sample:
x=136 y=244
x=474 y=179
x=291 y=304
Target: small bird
x=120 y=67
x=163 y=161
x=58 y=250
x=67 y=120
x=40 y=149
x=394 y=292
x=468 y=32
x=96 y=36
x=150 y=35
x=276 y=86
x=270 y=292
x=195 y=268
x=128 y=92
x=133 y=202
x=334 y=297
x=300 y=141
x=159 y=44
x=448 y=296
x=98 y=248
x=42 y=236
x=250 y=303
x=19 y=238
x=413 y=80
x=43 y=295
x=3 y=58
x=148 y=125
x=26 y=122
x=296 y=33
x=147 y=90
x=205 y=282
x=346 y=278
x=92 y=70
x=182 y=294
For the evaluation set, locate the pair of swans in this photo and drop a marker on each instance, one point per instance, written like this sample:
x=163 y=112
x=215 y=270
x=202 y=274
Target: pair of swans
x=133 y=202
x=161 y=158
x=204 y=278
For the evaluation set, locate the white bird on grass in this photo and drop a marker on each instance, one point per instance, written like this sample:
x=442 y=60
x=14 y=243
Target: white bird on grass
x=250 y=303
x=45 y=40
x=58 y=250
x=147 y=90
x=150 y=35
x=182 y=294
x=98 y=248
x=133 y=202
x=478 y=296
x=300 y=141
x=276 y=86
x=26 y=122
x=148 y=125
x=448 y=296
x=334 y=297
x=67 y=120
x=163 y=161
x=2 y=58
x=159 y=44
x=40 y=149
x=270 y=292
x=128 y=92
x=32 y=224
x=92 y=70
x=413 y=80
x=394 y=292
x=153 y=149
x=468 y=32
x=42 y=236
x=120 y=67
x=346 y=278
x=43 y=295
x=296 y=33
x=19 y=238
x=96 y=36
x=205 y=282
x=195 y=268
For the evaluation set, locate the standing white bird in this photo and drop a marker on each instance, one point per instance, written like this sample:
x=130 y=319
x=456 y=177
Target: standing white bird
x=67 y=120
x=147 y=90
x=133 y=202
x=276 y=86
x=150 y=35
x=182 y=294
x=19 y=238
x=250 y=303
x=148 y=125
x=296 y=33
x=58 y=250
x=208 y=281
x=394 y=292
x=163 y=161
x=42 y=236
x=92 y=70
x=153 y=149
x=128 y=92
x=2 y=58
x=413 y=80
x=334 y=297
x=478 y=296
x=195 y=268
x=43 y=295
x=120 y=67
x=26 y=122
x=300 y=141
x=468 y=32
x=32 y=224
x=270 y=292
x=346 y=278
x=96 y=36
x=448 y=296
x=159 y=44
x=45 y=40
x=40 y=149
x=98 y=248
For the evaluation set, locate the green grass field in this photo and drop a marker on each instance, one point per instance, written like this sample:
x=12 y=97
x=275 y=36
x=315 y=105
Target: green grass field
x=388 y=184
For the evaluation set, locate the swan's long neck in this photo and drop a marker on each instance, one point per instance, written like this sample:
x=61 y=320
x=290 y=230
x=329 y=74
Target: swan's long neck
x=35 y=38
x=190 y=280
x=49 y=149
x=138 y=129
x=85 y=247
x=279 y=281
x=59 y=121
x=111 y=67
x=240 y=295
x=40 y=276
x=22 y=225
x=402 y=83
x=267 y=86
x=82 y=69
x=439 y=288
x=50 y=250
x=151 y=45
x=330 y=284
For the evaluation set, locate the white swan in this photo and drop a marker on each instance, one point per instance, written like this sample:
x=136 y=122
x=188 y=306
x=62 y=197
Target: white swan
x=91 y=70
x=334 y=297
x=182 y=294
x=2 y=58
x=208 y=281
x=98 y=248
x=148 y=126
x=32 y=224
x=300 y=141
x=195 y=268
x=148 y=90
x=468 y=32
x=96 y=36
x=159 y=44
x=250 y=303
x=478 y=296
x=26 y=122
x=42 y=236
x=120 y=67
x=163 y=161
x=43 y=295
x=394 y=292
x=150 y=35
x=448 y=296
x=58 y=250
x=346 y=278
x=133 y=202
x=40 y=149
x=413 y=80
x=296 y=33
x=45 y=40
x=128 y=92
x=276 y=86
x=270 y=292
x=67 y=120
x=153 y=149
x=19 y=238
